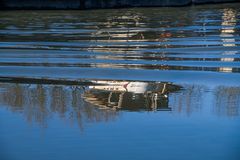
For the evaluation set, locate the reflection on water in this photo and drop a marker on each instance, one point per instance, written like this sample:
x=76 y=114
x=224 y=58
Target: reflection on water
x=143 y=83
x=158 y=39
x=130 y=95
x=229 y=96
x=67 y=46
x=102 y=99
x=39 y=102
x=227 y=33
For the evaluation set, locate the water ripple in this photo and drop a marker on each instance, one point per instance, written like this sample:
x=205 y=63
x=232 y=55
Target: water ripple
x=121 y=42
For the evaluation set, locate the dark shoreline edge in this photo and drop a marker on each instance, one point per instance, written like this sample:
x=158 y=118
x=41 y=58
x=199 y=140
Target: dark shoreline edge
x=5 y=5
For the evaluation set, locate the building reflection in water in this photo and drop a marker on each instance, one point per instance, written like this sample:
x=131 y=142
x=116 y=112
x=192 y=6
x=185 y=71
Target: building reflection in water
x=100 y=102
x=128 y=95
x=229 y=22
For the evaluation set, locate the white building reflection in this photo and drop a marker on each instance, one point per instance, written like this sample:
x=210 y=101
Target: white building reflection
x=130 y=95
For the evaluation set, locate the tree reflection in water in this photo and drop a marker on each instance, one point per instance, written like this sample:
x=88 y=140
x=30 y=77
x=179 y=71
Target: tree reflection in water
x=101 y=100
x=227 y=101
x=39 y=102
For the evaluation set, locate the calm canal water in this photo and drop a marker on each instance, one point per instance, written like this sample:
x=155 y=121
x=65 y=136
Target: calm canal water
x=146 y=83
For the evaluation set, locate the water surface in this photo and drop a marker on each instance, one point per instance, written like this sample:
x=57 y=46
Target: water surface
x=146 y=83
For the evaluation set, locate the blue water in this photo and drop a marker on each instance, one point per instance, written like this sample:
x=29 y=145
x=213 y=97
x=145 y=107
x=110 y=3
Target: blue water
x=142 y=83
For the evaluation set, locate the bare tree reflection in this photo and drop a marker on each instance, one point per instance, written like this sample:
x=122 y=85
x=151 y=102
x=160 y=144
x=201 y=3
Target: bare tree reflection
x=189 y=100
x=227 y=101
x=98 y=103
x=40 y=102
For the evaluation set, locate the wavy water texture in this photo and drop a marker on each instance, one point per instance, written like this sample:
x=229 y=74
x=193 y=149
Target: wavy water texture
x=134 y=44
x=145 y=83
